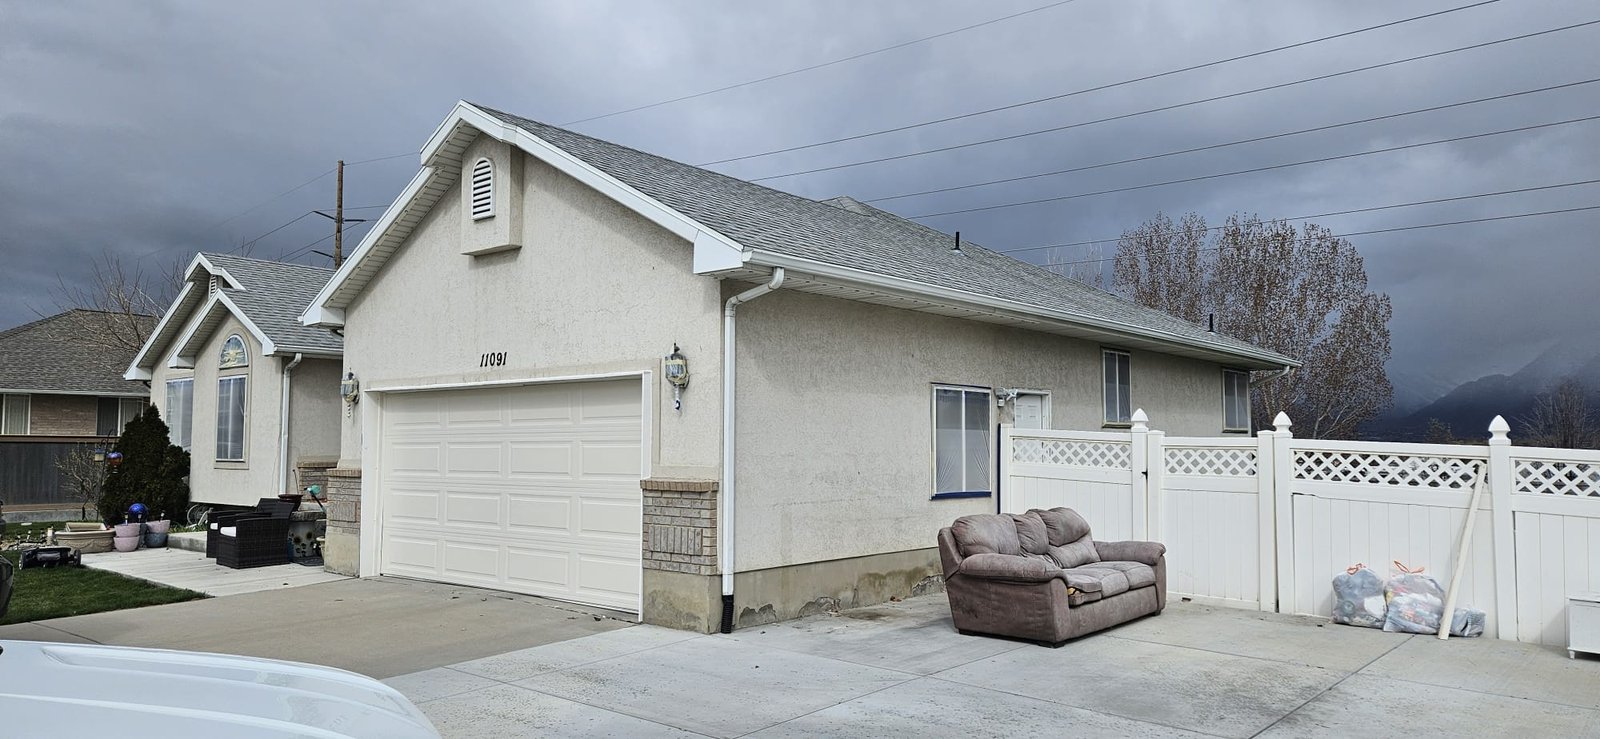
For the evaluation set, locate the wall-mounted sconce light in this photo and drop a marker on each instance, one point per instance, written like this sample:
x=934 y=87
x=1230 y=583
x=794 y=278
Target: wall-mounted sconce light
x=676 y=368
x=350 y=390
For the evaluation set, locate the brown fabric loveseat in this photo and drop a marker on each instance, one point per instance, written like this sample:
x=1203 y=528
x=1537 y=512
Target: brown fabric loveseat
x=1040 y=576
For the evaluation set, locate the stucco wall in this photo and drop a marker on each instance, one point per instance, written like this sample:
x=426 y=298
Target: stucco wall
x=835 y=422
x=594 y=289
x=229 y=483
x=314 y=411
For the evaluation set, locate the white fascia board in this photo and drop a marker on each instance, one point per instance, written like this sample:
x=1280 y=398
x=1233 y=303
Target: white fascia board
x=200 y=259
x=318 y=313
x=710 y=246
x=994 y=305
x=218 y=299
x=136 y=369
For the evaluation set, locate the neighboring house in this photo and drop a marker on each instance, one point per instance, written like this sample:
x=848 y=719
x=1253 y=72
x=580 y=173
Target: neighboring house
x=60 y=385
x=507 y=319
x=250 y=392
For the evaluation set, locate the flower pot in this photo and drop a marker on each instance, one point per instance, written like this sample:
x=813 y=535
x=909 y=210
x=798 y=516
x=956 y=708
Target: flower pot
x=125 y=543
x=158 y=527
x=94 y=541
x=155 y=539
x=124 y=530
x=292 y=498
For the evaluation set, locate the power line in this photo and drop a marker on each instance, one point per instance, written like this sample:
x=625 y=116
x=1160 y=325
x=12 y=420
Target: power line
x=1161 y=109
x=1380 y=230
x=304 y=249
x=840 y=60
x=1105 y=86
x=381 y=159
x=1434 y=201
x=1267 y=168
x=1223 y=145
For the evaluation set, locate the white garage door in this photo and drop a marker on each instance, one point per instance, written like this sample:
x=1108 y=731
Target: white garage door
x=533 y=489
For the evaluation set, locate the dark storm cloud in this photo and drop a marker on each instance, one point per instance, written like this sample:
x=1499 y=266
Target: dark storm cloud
x=144 y=129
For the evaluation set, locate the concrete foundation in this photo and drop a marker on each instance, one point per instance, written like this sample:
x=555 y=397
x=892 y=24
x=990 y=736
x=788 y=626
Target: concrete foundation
x=783 y=593
x=681 y=600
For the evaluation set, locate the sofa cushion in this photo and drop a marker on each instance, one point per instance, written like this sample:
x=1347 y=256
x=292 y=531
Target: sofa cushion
x=987 y=533
x=1068 y=533
x=1031 y=533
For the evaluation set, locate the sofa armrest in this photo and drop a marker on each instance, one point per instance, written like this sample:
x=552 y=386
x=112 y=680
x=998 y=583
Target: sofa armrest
x=1147 y=552
x=1008 y=567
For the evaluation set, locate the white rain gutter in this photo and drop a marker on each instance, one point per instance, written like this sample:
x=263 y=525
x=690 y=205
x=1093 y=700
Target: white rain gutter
x=1280 y=374
x=725 y=519
x=283 y=426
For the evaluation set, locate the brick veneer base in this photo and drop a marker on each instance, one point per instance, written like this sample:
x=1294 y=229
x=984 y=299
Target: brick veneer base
x=680 y=525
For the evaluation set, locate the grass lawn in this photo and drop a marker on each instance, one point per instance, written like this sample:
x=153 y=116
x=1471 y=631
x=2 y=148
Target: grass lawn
x=53 y=592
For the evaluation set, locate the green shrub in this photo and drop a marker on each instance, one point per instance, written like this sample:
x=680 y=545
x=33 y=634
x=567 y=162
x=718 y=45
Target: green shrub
x=152 y=472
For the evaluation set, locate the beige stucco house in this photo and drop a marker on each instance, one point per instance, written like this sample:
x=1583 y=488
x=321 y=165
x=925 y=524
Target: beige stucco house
x=251 y=393
x=509 y=321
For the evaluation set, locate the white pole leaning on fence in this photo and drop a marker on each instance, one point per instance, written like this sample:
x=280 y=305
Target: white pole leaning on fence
x=1461 y=553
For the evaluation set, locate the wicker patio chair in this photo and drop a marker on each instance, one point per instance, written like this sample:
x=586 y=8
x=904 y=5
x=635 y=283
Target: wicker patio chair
x=264 y=507
x=254 y=541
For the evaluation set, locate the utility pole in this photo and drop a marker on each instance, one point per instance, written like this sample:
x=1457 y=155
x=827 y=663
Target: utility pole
x=338 y=220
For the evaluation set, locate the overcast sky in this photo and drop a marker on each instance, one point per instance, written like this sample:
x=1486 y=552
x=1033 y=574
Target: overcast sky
x=156 y=129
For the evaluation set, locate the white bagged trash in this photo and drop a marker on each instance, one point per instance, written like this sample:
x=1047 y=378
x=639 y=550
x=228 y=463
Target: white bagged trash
x=1358 y=598
x=1415 y=602
x=1467 y=622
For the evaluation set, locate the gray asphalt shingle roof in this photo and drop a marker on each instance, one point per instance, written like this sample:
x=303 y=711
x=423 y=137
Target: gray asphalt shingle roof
x=274 y=295
x=847 y=233
x=61 y=354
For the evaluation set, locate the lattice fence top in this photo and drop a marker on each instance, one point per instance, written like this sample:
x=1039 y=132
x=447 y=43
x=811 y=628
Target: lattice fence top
x=1405 y=470
x=1069 y=453
x=1212 y=461
x=1549 y=477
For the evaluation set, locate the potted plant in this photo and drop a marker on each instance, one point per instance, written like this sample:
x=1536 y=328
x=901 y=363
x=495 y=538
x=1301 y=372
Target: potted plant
x=155 y=532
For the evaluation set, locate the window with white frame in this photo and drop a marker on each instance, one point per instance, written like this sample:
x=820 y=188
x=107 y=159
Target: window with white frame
x=961 y=439
x=14 y=414
x=230 y=419
x=180 y=411
x=113 y=414
x=1118 y=387
x=1235 y=400
x=482 y=192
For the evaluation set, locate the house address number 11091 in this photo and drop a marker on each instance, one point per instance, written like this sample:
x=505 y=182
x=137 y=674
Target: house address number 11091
x=492 y=359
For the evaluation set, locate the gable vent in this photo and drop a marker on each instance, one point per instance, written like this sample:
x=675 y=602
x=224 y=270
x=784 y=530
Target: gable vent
x=482 y=189
x=211 y=285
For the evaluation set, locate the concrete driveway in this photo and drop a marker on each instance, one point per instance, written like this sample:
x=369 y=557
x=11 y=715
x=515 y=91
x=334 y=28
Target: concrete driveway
x=902 y=670
x=379 y=627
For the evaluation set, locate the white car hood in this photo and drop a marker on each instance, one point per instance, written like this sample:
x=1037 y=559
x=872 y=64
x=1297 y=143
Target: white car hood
x=50 y=689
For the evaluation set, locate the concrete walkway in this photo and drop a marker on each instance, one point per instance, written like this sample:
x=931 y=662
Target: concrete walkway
x=379 y=627
x=902 y=670
x=192 y=571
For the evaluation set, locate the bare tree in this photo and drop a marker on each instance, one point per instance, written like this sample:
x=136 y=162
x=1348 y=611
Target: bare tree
x=122 y=298
x=1083 y=265
x=1301 y=292
x=83 y=475
x=1562 y=418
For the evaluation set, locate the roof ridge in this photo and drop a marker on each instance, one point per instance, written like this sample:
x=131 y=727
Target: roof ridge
x=226 y=255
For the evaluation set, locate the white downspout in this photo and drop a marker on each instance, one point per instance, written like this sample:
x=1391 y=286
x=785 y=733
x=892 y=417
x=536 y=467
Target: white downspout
x=283 y=426
x=725 y=522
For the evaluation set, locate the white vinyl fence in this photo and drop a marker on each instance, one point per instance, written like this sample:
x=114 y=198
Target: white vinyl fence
x=1266 y=522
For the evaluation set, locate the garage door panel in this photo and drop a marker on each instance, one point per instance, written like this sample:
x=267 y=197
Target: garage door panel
x=533 y=489
x=472 y=560
x=609 y=460
x=616 y=400
x=615 y=518
x=547 y=568
x=415 y=553
x=539 y=512
x=416 y=457
x=545 y=459
x=473 y=509
x=412 y=504
x=607 y=576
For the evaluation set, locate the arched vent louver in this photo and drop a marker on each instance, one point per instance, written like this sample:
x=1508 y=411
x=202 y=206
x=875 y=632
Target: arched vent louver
x=482 y=189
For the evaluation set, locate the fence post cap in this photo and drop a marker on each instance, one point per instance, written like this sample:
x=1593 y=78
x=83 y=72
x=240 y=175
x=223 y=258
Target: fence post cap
x=1282 y=422
x=1498 y=428
x=1141 y=422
